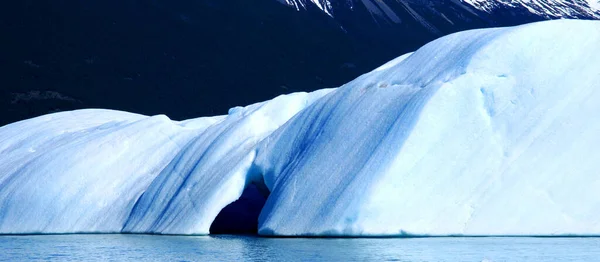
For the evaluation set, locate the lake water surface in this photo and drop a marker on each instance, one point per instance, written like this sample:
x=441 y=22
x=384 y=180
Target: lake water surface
x=250 y=248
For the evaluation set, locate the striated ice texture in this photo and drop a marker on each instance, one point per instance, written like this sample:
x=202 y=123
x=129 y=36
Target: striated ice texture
x=483 y=132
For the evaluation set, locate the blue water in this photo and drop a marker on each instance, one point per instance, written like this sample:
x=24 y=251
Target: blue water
x=248 y=248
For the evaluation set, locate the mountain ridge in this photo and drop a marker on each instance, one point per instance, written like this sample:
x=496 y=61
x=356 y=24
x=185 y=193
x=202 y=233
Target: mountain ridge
x=550 y=9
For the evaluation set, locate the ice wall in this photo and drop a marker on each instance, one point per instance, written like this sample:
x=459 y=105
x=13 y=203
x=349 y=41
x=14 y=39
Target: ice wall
x=483 y=132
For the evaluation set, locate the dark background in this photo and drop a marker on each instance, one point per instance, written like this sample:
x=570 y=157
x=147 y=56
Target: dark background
x=191 y=58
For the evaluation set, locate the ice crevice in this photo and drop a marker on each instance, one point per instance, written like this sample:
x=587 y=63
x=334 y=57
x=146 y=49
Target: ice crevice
x=482 y=132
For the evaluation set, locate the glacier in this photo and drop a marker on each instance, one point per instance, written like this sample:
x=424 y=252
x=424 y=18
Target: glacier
x=482 y=132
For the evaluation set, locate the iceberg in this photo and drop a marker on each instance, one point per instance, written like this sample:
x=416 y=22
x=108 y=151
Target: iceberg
x=482 y=132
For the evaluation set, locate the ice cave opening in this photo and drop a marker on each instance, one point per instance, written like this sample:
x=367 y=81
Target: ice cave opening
x=241 y=216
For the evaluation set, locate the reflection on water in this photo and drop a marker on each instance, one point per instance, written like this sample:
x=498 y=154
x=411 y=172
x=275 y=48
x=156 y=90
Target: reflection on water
x=250 y=248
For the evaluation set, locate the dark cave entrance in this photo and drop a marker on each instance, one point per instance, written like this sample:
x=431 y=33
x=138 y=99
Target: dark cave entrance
x=241 y=216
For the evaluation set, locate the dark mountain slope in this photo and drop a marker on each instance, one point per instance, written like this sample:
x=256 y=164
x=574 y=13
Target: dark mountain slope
x=189 y=58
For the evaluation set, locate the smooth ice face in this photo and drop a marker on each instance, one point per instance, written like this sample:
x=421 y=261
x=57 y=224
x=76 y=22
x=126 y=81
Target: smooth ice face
x=212 y=170
x=109 y=171
x=81 y=171
x=484 y=132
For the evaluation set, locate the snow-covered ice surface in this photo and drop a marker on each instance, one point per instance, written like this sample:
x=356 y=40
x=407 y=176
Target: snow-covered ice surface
x=108 y=171
x=484 y=132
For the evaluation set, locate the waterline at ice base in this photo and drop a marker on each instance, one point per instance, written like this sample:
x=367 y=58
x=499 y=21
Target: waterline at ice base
x=482 y=132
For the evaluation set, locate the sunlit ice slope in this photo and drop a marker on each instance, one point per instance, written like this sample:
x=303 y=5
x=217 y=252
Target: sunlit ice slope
x=483 y=132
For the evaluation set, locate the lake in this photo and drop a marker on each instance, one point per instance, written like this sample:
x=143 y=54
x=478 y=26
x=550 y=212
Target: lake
x=251 y=248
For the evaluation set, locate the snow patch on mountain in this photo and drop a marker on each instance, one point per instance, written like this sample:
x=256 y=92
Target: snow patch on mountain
x=543 y=8
x=324 y=5
x=594 y=4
